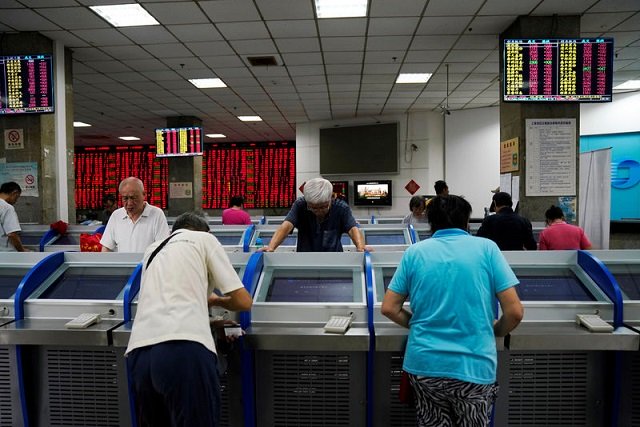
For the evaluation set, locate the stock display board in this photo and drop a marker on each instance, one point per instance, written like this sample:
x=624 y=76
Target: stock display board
x=26 y=84
x=185 y=141
x=558 y=70
x=99 y=170
x=263 y=173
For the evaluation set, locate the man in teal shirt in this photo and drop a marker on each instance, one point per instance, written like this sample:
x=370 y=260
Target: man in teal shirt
x=451 y=281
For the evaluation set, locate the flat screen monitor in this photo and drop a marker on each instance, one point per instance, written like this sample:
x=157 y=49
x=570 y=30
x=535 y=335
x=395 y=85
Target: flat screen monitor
x=372 y=193
x=341 y=190
x=290 y=240
x=228 y=239
x=310 y=289
x=373 y=238
x=26 y=84
x=183 y=141
x=30 y=239
x=561 y=287
x=630 y=284
x=550 y=70
x=9 y=282
x=67 y=240
x=82 y=283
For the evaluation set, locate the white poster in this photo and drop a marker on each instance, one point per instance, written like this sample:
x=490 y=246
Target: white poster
x=180 y=190
x=551 y=157
x=594 y=211
x=25 y=174
x=505 y=182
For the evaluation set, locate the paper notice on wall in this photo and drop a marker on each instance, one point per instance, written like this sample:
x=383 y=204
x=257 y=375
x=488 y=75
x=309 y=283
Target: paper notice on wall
x=551 y=157
x=505 y=182
x=25 y=174
x=180 y=190
x=515 y=190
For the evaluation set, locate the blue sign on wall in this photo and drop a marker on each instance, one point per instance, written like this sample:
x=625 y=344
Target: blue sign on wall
x=625 y=171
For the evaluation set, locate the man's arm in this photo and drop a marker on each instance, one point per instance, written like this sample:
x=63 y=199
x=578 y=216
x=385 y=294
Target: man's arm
x=392 y=307
x=512 y=312
x=357 y=239
x=14 y=239
x=238 y=300
x=278 y=237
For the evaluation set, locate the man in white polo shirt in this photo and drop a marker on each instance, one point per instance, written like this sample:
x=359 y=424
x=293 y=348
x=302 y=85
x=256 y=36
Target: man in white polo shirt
x=135 y=225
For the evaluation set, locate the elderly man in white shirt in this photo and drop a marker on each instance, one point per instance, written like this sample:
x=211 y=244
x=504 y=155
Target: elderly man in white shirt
x=135 y=225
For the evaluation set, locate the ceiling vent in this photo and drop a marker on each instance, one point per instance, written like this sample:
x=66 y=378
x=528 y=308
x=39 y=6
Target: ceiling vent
x=262 y=61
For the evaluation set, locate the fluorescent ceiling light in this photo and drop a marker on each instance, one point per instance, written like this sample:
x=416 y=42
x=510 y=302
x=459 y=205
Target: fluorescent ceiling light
x=80 y=125
x=413 y=77
x=216 y=135
x=129 y=138
x=207 y=83
x=629 y=85
x=125 y=15
x=341 y=8
x=250 y=118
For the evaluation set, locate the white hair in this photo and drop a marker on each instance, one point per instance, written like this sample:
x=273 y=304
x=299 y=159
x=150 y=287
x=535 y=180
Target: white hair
x=131 y=180
x=318 y=190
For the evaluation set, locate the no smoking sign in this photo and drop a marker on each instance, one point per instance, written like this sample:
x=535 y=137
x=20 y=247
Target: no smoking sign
x=13 y=139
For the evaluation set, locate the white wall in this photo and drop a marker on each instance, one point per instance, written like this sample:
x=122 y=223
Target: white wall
x=425 y=166
x=472 y=155
x=621 y=115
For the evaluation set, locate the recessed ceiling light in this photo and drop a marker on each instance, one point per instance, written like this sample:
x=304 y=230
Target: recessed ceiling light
x=629 y=85
x=250 y=118
x=207 y=83
x=80 y=125
x=129 y=138
x=125 y=15
x=413 y=77
x=216 y=135
x=341 y=8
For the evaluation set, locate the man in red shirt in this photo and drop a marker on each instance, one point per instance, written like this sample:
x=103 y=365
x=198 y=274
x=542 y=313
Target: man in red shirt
x=560 y=235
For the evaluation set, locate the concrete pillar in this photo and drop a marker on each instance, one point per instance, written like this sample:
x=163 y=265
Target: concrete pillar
x=39 y=132
x=513 y=115
x=185 y=170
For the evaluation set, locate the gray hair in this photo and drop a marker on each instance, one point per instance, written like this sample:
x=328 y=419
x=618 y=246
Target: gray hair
x=318 y=190
x=191 y=221
x=132 y=180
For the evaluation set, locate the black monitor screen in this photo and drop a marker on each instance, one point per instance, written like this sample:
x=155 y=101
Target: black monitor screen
x=385 y=238
x=552 y=288
x=372 y=193
x=424 y=235
x=630 y=284
x=30 y=239
x=288 y=241
x=67 y=240
x=228 y=239
x=26 y=85
x=310 y=289
x=86 y=286
x=9 y=283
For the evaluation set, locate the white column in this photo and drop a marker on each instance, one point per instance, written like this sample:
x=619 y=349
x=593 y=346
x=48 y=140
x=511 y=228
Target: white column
x=61 y=131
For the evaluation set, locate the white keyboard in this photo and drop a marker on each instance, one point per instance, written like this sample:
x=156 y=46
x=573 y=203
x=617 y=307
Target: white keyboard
x=338 y=324
x=84 y=320
x=593 y=323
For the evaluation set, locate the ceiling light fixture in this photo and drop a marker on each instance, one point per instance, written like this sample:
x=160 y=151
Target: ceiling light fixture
x=125 y=15
x=129 y=138
x=207 y=83
x=80 y=125
x=250 y=118
x=413 y=77
x=341 y=8
x=628 y=85
x=216 y=135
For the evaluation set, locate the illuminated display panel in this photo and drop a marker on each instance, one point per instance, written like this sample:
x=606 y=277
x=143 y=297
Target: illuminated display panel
x=185 y=141
x=263 y=173
x=26 y=84
x=558 y=70
x=341 y=190
x=372 y=193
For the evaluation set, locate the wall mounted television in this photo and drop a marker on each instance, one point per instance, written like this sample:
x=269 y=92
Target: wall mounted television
x=341 y=190
x=349 y=150
x=552 y=70
x=183 y=141
x=26 y=84
x=372 y=193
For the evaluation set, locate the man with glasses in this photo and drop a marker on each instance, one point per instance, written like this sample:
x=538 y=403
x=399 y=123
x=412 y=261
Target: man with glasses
x=136 y=224
x=320 y=220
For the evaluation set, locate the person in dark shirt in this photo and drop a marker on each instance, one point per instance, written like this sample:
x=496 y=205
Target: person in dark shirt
x=320 y=220
x=441 y=188
x=510 y=231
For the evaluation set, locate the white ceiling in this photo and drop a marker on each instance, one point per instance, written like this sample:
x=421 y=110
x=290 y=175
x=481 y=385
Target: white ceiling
x=126 y=81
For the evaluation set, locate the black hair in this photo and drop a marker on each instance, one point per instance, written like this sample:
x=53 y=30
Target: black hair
x=553 y=212
x=440 y=186
x=191 y=221
x=416 y=202
x=236 y=201
x=10 y=187
x=448 y=212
